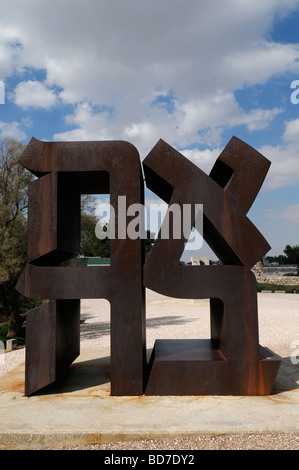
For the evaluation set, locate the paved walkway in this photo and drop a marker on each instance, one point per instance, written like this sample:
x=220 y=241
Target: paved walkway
x=81 y=411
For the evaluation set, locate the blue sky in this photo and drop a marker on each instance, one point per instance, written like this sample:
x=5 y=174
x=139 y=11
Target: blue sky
x=191 y=72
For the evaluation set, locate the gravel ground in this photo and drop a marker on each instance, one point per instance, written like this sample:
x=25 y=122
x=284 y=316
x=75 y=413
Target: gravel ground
x=173 y=318
x=180 y=318
x=10 y=360
x=225 y=442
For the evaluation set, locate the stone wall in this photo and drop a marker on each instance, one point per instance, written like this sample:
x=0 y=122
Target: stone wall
x=277 y=280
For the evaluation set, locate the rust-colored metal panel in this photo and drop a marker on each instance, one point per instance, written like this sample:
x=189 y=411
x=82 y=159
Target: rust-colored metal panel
x=66 y=170
x=40 y=360
x=226 y=194
x=226 y=227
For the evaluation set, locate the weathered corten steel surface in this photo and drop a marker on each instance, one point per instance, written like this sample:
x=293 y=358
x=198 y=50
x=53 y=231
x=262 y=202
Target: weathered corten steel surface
x=231 y=362
x=66 y=170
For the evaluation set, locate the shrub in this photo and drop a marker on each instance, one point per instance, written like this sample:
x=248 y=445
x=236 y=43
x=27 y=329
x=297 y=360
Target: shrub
x=275 y=287
x=3 y=331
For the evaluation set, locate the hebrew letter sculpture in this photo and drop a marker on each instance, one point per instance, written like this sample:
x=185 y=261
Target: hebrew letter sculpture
x=231 y=362
x=65 y=170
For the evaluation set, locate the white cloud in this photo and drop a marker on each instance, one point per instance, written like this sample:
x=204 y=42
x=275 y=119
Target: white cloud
x=284 y=165
x=90 y=125
x=259 y=62
x=180 y=129
x=118 y=52
x=258 y=119
x=289 y=213
x=12 y=130
x=204 y=159
x=291 y=133
x=198 y=121
x=220 y=110
x=2 y=92
x=284 y=158
x=123 y=55
x=34 y=94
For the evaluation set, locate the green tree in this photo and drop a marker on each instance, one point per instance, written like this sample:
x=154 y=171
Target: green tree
x=14 y=181
x=90 y=244
x=93 y=246
x=291 y=254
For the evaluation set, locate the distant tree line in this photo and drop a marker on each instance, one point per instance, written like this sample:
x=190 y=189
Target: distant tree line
x=291 y=256
x=14 y=181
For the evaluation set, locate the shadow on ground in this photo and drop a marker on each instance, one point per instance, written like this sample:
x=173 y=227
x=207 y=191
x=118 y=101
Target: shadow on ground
x=94 y=330
x=94 y=375
x=288 y=376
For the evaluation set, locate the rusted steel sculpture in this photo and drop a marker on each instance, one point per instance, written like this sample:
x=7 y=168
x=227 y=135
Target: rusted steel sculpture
x=65 y=170
x=231 y=361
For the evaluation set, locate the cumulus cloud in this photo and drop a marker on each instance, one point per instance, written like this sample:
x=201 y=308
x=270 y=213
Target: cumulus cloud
x=291 y=133
x=204 y=159
x=198 y=121
x=219 y=111
x=284 y=158
x=89 y=125
x=140 y=70
x=289 y=213
x=260 y=62
x=34 y=94
x=104 y=51
x=11 y=129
